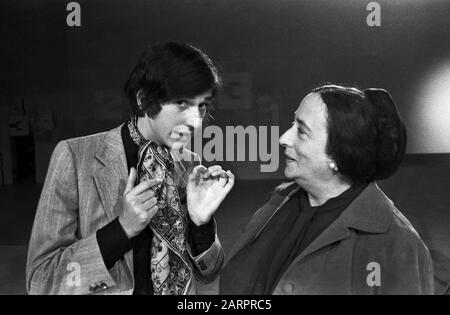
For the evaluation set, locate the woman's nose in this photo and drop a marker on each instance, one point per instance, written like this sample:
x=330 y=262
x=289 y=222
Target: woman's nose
x=285 y=140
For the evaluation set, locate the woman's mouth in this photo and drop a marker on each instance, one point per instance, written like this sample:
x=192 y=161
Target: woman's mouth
x=289 y=159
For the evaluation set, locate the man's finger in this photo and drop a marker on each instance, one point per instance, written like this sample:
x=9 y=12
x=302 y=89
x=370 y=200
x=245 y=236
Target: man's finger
x=217 y=173
x=197 y=173
x=199 y=169
x=211 y=170
x=145 y=186
x=230 y=182
x=223 y=181
x=151 y=212
x=144 y=196
x=131 y=180
x=214 y=168
x=149 y=204
x=192 y=177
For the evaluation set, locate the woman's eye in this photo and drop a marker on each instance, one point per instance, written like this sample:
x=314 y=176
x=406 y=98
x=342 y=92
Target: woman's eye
x=203 y=105
x=300 y=131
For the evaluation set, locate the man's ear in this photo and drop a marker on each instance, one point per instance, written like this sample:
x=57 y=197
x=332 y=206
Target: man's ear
x=139 y=98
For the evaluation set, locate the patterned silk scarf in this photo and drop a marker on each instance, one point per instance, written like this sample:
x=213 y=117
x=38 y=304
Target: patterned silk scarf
x=171 y=270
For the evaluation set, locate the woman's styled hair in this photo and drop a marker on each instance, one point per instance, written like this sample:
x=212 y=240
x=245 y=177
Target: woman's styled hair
x=366 y=135
x=169 y=71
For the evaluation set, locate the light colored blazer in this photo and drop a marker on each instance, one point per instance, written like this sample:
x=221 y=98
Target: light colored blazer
x=370 y=249
x=82 y=193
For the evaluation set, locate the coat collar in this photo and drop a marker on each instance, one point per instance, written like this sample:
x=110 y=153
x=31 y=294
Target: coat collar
x=370 y=212
x=111 y=147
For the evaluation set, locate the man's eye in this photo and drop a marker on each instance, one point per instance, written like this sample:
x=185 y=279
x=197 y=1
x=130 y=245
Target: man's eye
x=203 y=105
x=300 y=131
x=181 y=103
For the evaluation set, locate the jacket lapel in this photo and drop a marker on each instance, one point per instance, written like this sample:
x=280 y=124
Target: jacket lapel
x=368 y=212
x=111 y=176
x=111 y=172
x=262 y=217
x=336 y=232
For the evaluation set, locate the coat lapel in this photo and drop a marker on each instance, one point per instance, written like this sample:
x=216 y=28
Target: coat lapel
x=111 y=172
x=110 y=176
x=336 y=232
x=368 y=213
x=262 y=217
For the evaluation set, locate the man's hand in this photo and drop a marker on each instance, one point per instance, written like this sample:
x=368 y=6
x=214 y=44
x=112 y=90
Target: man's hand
x=206 y=189
x=139 y=205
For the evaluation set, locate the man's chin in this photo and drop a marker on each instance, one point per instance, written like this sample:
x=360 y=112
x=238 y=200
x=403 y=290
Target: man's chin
x=176 y=145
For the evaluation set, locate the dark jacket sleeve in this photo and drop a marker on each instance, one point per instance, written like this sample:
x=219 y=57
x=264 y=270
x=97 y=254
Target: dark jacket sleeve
x=201 y=237
x=113 y=242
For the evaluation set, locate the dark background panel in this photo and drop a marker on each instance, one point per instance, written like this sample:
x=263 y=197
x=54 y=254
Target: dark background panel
x=68 y=82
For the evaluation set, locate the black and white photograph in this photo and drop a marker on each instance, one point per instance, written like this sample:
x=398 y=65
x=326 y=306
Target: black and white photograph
x=231 y=148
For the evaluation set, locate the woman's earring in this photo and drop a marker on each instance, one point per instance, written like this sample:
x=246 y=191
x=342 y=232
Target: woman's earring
x=333 y=166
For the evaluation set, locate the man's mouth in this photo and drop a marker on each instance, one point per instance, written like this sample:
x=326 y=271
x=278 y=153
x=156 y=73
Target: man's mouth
x=178 y=135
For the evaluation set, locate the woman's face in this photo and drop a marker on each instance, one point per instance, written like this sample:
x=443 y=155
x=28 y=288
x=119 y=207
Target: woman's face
x=305 y=143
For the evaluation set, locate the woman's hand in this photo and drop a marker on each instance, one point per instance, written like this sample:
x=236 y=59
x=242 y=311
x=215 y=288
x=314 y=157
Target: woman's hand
x=206 y=189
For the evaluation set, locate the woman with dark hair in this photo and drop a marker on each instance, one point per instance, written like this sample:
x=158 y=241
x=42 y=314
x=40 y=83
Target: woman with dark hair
x=332 y=230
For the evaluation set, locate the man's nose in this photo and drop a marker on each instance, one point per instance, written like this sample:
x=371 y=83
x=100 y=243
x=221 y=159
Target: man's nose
x=193 y=118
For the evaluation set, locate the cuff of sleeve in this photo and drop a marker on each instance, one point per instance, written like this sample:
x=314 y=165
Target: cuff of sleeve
x=201 y=237
x=113 y=242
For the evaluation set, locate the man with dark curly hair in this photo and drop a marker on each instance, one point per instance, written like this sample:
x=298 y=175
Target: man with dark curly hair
x=131 y=210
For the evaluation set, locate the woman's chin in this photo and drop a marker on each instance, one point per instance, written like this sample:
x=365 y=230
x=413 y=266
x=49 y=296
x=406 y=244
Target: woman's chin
x=291 y=173
x=287 y=173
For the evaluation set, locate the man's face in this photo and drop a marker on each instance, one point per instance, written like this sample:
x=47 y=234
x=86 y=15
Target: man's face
x=178 y=120
x=305 y=142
